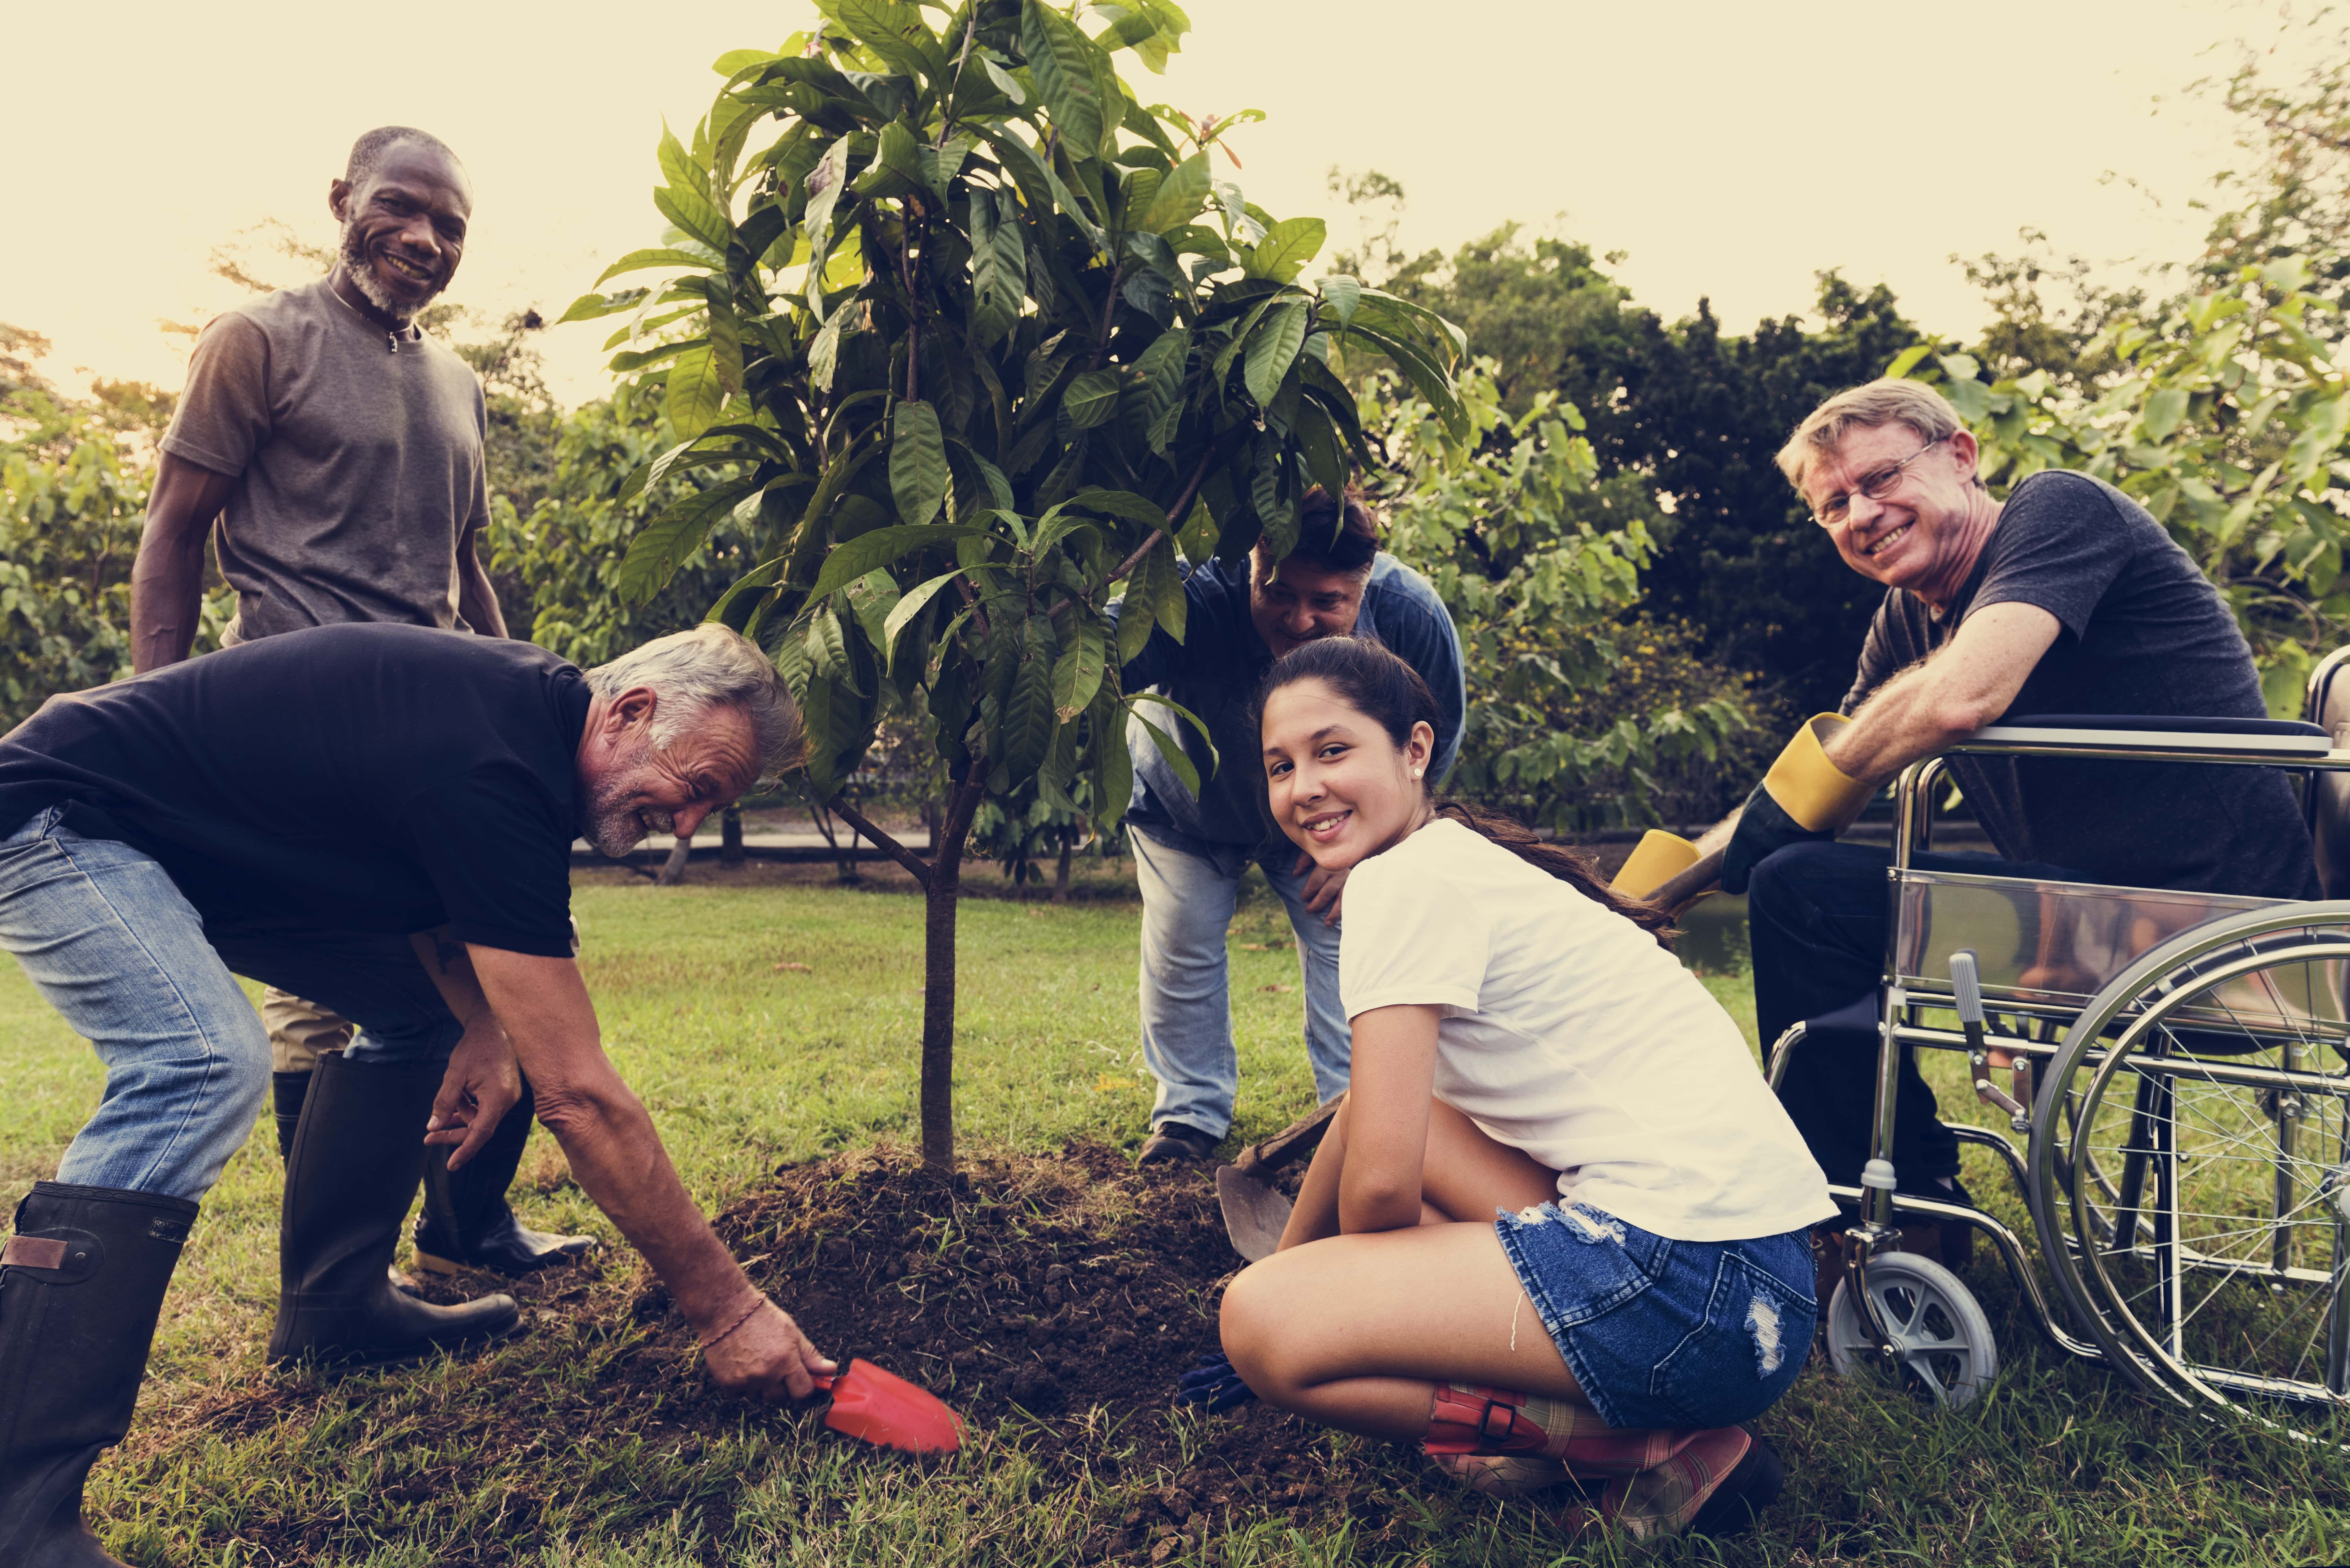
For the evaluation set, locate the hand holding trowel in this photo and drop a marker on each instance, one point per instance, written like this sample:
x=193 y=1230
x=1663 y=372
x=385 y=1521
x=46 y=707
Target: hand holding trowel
x=1665 y=870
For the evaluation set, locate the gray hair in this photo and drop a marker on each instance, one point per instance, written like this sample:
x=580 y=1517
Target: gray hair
x=1888 y=400
x=368 y=151
x=706 y=666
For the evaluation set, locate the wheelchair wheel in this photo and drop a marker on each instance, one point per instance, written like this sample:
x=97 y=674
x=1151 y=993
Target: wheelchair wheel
x=1943 y=1341
x=2190 y=1161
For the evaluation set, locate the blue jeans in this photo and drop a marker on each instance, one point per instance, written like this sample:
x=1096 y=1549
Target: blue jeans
x=1187 y=1014
x=108 y=941
x=1661 y=1333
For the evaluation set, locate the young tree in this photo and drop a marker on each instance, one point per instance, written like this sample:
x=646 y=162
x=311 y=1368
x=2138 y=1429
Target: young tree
x=976 y=340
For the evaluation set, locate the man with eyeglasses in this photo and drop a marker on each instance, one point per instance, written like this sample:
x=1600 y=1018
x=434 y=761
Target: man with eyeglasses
x=2066 y=598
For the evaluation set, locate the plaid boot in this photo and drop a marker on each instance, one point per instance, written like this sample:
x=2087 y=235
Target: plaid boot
x=1646 y=1482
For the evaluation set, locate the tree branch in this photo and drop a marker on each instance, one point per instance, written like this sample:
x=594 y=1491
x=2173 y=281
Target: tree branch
x=1109 y=307
x=917 y=867
x=1175 y=513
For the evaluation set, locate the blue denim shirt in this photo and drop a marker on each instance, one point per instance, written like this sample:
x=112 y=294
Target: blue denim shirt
x=1215 y=671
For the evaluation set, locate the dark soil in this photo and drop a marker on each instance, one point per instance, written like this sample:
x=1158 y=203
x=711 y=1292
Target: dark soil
x=1054 y=1290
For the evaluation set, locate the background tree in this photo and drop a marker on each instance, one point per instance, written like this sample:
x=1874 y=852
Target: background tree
x=970 y=344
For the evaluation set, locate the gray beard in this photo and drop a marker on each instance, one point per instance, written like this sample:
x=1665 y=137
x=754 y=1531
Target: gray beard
x=610 y=828
x=362 y=270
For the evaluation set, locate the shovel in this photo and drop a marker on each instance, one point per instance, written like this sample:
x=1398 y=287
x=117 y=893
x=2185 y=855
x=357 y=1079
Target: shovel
x=884 y=1409
x=1663 y=869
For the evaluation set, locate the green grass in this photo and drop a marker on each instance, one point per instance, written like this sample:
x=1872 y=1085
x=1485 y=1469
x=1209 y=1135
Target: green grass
x=746 y=1065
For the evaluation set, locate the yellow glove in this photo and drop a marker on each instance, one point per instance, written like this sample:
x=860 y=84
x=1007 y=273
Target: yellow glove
x=1819 y=795
x=1656 y=859
x=1803 y=799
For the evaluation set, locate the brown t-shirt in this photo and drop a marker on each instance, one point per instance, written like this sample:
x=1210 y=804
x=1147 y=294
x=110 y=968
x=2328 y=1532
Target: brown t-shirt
x=358 y=468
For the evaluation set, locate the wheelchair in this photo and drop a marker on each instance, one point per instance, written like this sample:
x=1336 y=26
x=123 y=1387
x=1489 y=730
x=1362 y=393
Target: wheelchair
x=2178 y=1118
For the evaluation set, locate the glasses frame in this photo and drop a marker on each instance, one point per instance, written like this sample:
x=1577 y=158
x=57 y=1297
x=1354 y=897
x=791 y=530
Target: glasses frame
x=1876 y=486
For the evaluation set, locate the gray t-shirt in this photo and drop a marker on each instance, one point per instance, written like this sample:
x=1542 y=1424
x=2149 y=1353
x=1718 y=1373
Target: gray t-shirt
x=2144 y=632
x=359 y=469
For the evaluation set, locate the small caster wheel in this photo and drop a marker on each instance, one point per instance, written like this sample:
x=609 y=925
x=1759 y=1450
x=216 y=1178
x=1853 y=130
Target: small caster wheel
x=1942 y=1342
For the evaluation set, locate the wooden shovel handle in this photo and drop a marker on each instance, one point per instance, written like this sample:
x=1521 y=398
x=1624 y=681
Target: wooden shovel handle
x=1676 y=894
x=1300 y=1137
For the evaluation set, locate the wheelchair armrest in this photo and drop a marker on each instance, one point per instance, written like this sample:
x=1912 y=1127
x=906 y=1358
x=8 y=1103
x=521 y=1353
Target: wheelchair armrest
x=2170 y=734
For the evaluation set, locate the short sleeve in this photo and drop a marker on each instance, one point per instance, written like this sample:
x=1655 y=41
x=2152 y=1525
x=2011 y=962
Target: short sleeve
x=223 y=414
x=2059 y=545
x=1407 y=938
x=492 y=844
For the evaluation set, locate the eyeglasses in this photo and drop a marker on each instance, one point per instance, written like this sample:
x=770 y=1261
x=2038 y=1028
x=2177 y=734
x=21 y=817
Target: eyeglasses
x=1837 y=510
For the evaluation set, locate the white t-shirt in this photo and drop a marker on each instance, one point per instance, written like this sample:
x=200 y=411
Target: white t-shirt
x=1569 y=1033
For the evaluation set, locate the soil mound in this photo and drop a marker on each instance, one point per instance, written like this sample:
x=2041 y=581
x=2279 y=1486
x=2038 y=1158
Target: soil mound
x=1047 y=1286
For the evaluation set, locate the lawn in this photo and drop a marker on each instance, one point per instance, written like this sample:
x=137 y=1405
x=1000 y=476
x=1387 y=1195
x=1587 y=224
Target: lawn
x=749 y=1061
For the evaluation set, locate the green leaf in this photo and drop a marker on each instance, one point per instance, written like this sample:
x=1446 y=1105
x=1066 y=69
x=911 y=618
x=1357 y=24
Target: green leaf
x=695 y=396
x=1137 y=618
x=1341 y=294
x=664 y=255
x=661 y=545
x=1181 y=196
x=873 y=597
x=734 y=62
x=1199 y=535
x=893 y=30
x=2163 y=411
x=1028 y=722
x=1061 y=60
x=1169 y=751
x=919 y=475
x=870 y=551
x=1092 y=397
x=1078 y=674
x=1906 y=361
x=1285 y=249
x=1273 y=349
x=589 y=306
x=1162 y=366
x=1122 y=503
x=682 y=172
x=998 y=267
x=691 y=210
x=911 y=606
x=1159 y=578
x=825 y=182
x=1004 y=82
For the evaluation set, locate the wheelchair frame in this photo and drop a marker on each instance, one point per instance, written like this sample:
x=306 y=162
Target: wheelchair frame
x=2074 y=1038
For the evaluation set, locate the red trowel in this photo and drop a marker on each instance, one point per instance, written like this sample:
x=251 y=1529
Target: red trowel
x=884 y=1409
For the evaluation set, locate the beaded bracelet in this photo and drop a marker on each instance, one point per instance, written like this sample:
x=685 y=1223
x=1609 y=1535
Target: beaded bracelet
x=748 y=1312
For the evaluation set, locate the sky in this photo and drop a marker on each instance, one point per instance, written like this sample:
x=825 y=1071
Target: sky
x=1730 y=150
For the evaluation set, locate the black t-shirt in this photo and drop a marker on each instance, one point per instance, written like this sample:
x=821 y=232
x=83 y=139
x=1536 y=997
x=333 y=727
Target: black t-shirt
x=2144 y=632
x=367 y=777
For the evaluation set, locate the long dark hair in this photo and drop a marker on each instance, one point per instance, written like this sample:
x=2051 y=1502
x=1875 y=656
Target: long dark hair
x=1372 y=680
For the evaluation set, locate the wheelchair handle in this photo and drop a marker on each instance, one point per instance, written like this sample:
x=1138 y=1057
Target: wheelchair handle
x=1966 y=985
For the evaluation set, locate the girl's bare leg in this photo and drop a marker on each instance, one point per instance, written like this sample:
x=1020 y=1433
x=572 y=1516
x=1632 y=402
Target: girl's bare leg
x=1352 y=1331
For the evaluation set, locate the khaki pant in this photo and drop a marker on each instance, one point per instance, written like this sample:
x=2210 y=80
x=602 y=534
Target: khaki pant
x=299 y=1031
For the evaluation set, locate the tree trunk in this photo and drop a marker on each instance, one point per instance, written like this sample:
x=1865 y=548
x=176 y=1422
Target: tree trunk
x=672 y=870
x=939 y=971
x=730 y=838
x=1061 y=875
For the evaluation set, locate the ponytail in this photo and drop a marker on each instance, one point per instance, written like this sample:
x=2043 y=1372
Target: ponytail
x=1373 y=681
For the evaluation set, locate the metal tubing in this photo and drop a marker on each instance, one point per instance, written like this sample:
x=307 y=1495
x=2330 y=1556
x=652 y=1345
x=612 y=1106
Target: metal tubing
x=2202 y=1070
x=1888 y=1081
x=2288 y=1121
x=1780 y=1050
x=2010 y=1252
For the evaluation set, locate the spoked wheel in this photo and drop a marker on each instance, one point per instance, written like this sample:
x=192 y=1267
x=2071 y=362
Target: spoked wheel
x=2190 y=1161
x=1943 y=1342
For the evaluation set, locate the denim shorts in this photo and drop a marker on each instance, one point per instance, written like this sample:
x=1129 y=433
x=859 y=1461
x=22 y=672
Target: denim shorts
x=1662 y=1333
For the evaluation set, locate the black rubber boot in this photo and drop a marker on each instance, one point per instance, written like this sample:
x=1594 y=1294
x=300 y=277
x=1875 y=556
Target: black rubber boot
x=357 y=1158
x=81 y=1283
x=286 y=1093
x=466 y=1223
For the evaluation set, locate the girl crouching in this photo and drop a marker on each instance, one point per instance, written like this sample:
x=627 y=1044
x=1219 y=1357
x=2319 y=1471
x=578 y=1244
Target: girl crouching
x=1525 y=1045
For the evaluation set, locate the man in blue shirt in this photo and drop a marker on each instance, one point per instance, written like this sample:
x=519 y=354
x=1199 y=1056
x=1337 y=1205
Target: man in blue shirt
x=1190 y=852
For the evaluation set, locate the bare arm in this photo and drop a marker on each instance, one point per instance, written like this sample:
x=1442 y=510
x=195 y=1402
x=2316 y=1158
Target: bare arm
x=167 y=580
x=618 y=1159
x=477 y=601
x=1936 y=701
x=1384 y=1174
x=1942 y=699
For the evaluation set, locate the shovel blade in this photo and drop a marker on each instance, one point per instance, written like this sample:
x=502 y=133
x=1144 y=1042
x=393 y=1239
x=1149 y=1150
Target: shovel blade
x=1255 y=1214
x=882 y=1408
